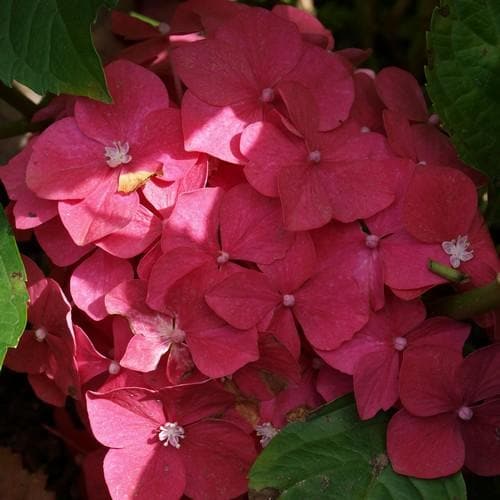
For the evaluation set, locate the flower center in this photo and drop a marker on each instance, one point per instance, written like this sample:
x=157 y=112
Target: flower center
x=288 y=300
x=177 y=336
x=117 y=154
x=433 y=119
x=170 y=433
x=465 y=413
x=40 y=334
x=314 y=156
x=372 y=240
x=459 y=250
x=222 y=258
x=266 y=432
x=163 y=28
x=113 y=368
x=365 y=130
x=267 y=95
x=400 y=343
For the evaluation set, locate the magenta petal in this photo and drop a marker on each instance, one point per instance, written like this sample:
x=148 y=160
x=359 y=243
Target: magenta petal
x=400 y=92
x=428 y=381
x=329 y=77
x=440 y=204
x=220 y=351
x=426 y=448
x=268 y=151
x=90 y=362
x=304 y=197
x=94 y=278
x=440 y=332
x=47 y=390
x=194 y=221
x=480 y=374
x=376 y=382
x=144 y=471
x=100 y=214
x=125 y=417
x=135 y=92
x=217 y=456
x=243 y=299
x=144 y=353
x=30 y=355
x=257 y=234
x=399 y=134
x=135 y=237
x=31 y=211
x=482 y=446
x=65 y=164
x=215 y=130
x=360 y=189
x=332 y=384
x=58 y=245
x=284 y=329
x=290 y=273
x=330 y=309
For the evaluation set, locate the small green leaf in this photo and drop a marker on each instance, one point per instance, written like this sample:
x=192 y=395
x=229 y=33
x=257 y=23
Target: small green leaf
x=336 y=455
x=47 y=45
x=464 y=77
x=13 y=294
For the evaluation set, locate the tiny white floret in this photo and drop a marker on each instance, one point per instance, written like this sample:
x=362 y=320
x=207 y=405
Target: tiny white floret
x=365 y=130
x=222 y=258
x=117 y=154
x=170 y=433
x=459 y=250
x=400 y=343
x=267 y=95
x=288 y=300
x=163 y=28
x=266 y=432
x=113 y=368
x=41 y=333
x=315 y=156
x=465 y=413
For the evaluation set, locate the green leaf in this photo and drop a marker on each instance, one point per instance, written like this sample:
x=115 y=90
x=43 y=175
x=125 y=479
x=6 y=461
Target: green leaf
x=337 y=456
x=464 y=77
x=13 y=294
x=47 y=45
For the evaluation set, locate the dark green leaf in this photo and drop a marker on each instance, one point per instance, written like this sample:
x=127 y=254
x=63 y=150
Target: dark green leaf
x=13 y=294
x=338 y=456
x=47 y=45
x=464 y=77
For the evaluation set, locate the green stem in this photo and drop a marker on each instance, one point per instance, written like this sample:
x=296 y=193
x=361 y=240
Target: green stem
x=448 y=273
x=145 y=19
x=20 y=127
x=468 y=304
x=17 y=100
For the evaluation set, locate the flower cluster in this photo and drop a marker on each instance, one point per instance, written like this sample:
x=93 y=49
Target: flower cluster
x=239 y=238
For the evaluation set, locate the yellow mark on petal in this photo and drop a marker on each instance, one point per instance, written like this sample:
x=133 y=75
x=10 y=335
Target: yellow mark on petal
x=133 y=180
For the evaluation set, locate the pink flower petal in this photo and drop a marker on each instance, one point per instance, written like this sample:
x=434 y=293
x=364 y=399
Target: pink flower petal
x=440 y=204
x=94 y=278
x=100 y=214
x=217 y=456
x=65 y=164
x=144 y=470
x=401 y=93
x=136 y=92
x=125 y=417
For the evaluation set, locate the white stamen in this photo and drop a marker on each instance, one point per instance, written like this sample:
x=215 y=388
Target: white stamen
x=314 y=156
x=465 y=413
x=163 y=28
x=433 y=119
x=372 y=240
x=267 y=95
x=400 y=343
x=222 y=258
x=117 y=154
x=266 y=432
x=365 y=130
x=459 y=250
x=170 y=433
x=113 y=368
x=40 y=334
x=423 y=163
x=288 y=300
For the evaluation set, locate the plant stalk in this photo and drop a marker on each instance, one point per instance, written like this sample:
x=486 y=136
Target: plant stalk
x=17 y=100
